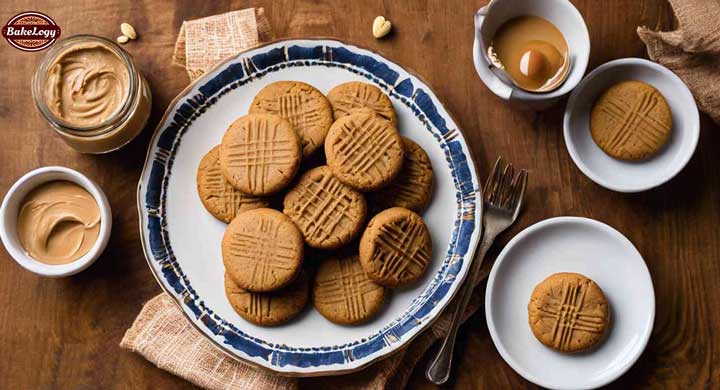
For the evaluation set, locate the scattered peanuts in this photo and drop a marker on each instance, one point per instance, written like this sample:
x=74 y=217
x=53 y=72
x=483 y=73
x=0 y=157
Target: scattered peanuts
x=381 y=27
x=122 y=39
x=128 y=30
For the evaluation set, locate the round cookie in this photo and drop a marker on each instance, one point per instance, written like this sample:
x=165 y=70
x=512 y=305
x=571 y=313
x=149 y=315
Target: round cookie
x=343 y=294
x=262 y=250
x=260 y=154
x=568 y=312
x=271 y=308
x=413 y=186
x=395 y=248
x=218 y=196
x=304 y=106
x=348 y=97
x=364 y=151
x=328 y=213
x=631 y=121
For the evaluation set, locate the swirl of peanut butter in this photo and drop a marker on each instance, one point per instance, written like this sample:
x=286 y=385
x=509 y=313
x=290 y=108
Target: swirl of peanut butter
x=58 y=222
x=86 y=84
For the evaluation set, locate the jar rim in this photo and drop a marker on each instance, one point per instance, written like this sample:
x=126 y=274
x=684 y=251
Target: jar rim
x=40 y=78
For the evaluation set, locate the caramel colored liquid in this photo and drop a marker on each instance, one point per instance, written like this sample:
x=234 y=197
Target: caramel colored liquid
x=531 y=49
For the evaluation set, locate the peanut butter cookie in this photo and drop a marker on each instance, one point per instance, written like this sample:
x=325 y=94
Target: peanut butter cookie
x=304 y=106
x=270 y=308
x=328 y=213
x=631 y=121
x=568 y=312
x=413 y=186
x=218 y=196
x=348 y=97
x=343 y=294
x=395 y=248
x=364 y=151
x=262 y=250
x=260 y=154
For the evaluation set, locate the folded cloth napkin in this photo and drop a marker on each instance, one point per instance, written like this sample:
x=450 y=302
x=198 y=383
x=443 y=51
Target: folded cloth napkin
x=692 y=51
x=163 y=335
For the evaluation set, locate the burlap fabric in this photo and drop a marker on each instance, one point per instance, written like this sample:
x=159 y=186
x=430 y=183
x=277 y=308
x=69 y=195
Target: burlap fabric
x=163 y=335
x=692 y=51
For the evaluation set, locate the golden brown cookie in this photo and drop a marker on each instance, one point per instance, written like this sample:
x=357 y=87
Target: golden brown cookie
x=218 y=196
x=260 y=154
x=343 y=294
x=364 y=151
x=395 y=248
x=568 y=312
x=348 y=97
x=304 y=106
x=270 y=308
x=328 y=213
x=631 y=121
x=413 y=186
x=262 y=250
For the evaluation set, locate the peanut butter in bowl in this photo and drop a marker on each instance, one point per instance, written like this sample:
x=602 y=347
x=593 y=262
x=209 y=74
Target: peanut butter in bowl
x=91 y=93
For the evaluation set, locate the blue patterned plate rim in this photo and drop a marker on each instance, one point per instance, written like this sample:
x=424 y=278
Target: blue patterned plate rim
x=403 y=87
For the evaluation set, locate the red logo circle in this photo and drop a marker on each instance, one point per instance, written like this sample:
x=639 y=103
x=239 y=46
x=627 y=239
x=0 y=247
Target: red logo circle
x=31 y=31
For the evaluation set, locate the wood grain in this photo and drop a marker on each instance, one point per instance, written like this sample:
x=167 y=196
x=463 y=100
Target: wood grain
x=65 y=333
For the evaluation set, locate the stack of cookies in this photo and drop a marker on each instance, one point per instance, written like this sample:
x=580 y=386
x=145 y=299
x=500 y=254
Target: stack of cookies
x=321 y=240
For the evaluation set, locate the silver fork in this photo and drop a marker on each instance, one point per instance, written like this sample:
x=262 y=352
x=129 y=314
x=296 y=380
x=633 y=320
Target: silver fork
x=503 y=197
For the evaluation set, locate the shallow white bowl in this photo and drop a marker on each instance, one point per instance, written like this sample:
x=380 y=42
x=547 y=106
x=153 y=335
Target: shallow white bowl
x=625 y=176
x=9 y=212
x=588 y=247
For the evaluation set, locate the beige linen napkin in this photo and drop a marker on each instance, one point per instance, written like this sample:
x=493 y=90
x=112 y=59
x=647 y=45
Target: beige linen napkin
x=163 y=335
x=692 y=51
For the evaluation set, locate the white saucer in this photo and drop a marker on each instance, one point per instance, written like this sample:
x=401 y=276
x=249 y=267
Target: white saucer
x=626 y=176
x=588 y=247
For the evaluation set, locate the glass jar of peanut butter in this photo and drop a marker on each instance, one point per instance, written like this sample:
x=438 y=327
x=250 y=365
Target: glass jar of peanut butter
x=92 y=94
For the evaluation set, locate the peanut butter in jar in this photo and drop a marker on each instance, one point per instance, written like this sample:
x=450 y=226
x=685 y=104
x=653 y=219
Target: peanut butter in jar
x=91 y=93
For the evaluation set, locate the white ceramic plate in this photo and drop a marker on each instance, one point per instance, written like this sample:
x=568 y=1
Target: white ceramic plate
x=619 y=175
x=182 y=241
x=588 y=247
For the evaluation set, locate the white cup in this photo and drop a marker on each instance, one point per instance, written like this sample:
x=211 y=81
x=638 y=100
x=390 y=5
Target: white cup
x=562 y=14
x=11 y=206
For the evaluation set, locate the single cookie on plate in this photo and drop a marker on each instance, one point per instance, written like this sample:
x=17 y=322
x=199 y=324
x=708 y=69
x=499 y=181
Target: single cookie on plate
x=328 y=213
x=260 y=154
x=270 y=308
x=262 y=250
x=219 y=197
x=347 y=98
x=396 y=247
x=631 y=121
x=343 y=294
x=413 y=186
x=303 y=105
x=364 y=151
x=568 y=312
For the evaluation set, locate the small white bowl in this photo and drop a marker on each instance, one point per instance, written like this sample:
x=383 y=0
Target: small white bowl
x=626 y=176
x=588 y=247
x=9 y=212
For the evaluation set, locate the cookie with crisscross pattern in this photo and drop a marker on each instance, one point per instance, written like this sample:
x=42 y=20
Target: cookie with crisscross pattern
x=351 y=97
x=343 y=294
x=396 y=247
x=262 y=250
x=364 y=151
x=328 y=213
x=260 y=154
x=568 y=312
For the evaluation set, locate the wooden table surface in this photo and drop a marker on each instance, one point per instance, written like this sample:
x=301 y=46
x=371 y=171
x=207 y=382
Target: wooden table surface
x=65 y=333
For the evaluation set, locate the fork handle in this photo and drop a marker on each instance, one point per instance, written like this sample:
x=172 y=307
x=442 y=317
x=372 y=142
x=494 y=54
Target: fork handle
x=438 y=371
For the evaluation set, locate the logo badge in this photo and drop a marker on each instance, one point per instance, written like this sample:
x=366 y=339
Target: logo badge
x=31 y=31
